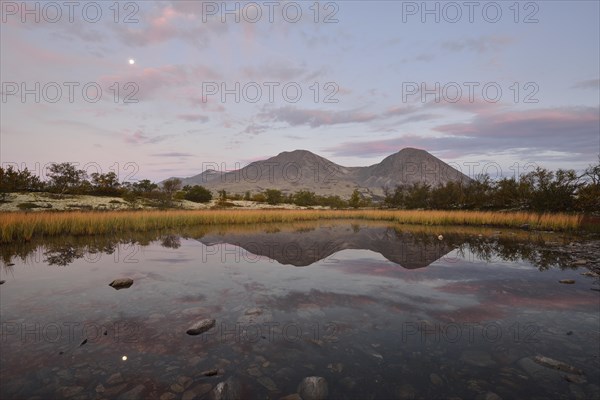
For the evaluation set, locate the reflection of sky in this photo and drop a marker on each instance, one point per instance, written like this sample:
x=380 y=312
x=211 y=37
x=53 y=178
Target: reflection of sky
x=196 y=272
x=368 y=297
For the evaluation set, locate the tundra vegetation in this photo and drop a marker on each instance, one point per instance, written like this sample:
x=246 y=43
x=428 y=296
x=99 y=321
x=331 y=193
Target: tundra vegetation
x=541 y=199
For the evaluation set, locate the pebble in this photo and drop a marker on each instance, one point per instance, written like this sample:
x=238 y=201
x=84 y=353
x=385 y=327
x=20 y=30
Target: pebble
x=201 y=327
x=227 y=390
x=123 y=283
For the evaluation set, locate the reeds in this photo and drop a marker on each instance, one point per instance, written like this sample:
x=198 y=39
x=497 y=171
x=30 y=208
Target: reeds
x=25 y=226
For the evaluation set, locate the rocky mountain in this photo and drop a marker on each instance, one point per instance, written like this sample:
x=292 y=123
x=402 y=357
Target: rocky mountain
x=303 y=170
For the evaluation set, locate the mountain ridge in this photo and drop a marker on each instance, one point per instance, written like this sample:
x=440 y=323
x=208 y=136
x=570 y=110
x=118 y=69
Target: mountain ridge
x=291 y=171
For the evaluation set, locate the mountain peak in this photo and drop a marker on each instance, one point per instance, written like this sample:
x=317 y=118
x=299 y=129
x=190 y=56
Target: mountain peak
x=291 y=171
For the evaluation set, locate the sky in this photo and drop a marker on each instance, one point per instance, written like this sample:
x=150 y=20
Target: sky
x=151 y=90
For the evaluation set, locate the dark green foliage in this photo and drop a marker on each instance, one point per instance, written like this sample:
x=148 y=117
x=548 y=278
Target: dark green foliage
x=541 y=190
x=273 y=196
x=305 y=198
x=65 y=178
x=198 y=194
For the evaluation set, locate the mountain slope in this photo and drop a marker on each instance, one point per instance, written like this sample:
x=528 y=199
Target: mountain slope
x=302 y=170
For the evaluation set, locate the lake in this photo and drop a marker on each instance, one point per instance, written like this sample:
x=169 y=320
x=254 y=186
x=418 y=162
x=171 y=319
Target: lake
x=378 y=311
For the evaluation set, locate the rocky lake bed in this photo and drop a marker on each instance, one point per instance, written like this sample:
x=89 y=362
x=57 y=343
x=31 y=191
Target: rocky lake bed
x=327 y=310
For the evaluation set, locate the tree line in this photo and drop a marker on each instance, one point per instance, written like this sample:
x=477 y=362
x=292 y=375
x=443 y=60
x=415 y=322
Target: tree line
x=539 y=190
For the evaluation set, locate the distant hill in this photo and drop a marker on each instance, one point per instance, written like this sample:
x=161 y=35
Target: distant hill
x=302 y=170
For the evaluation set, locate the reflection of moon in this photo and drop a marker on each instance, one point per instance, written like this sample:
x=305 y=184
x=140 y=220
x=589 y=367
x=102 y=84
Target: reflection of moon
x=131 y=61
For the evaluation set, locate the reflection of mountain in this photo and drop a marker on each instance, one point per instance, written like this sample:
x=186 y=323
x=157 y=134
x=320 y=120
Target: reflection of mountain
x=302 y=248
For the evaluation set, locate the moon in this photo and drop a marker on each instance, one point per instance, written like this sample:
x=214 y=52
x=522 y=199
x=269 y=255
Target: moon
x=131 y=61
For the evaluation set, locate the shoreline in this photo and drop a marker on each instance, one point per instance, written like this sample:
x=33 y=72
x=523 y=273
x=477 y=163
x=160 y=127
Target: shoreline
x=23 y=226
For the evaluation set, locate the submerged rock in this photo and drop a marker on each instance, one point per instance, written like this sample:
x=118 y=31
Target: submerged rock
x=492 y=396
x=313 y=388
x=293 y=396
x=267 y=383
x=575 y=378
x=115 y=379
x=347 y=383
x=406 y=392
x=197 y=391
x=69 y=391
x=477 y=358
x=559 y=365
x=435 y=379
x=122 y=283
x=201 y=326
x=133 y=394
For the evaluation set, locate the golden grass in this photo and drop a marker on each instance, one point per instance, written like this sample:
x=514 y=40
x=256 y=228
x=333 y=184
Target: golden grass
x=25 y=226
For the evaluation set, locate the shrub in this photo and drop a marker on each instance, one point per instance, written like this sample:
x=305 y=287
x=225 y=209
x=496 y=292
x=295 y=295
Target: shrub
x=198 y=194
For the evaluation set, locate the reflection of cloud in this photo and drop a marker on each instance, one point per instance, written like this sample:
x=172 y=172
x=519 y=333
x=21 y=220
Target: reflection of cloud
x=497 y=299
x=480 y=313
x=290 y=302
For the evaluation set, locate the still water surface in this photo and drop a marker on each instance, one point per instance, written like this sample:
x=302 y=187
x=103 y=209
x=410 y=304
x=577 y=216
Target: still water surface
x=380 y=312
